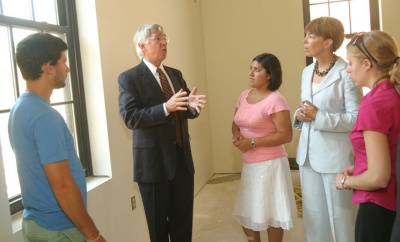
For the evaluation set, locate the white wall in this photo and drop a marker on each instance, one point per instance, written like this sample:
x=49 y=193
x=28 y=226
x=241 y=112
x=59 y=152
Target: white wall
x=213 y=43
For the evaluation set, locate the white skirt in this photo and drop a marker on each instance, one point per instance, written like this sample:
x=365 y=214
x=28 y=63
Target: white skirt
x=265 y=196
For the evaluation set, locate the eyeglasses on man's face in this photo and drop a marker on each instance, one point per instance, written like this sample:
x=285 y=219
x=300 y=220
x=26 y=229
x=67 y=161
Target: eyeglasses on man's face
x=359 y=38
x=159 y=39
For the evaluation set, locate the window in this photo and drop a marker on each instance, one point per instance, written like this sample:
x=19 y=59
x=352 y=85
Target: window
x=355 y=15
x=19 y=18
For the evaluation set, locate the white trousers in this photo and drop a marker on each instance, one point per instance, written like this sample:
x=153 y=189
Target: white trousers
x=327 y=212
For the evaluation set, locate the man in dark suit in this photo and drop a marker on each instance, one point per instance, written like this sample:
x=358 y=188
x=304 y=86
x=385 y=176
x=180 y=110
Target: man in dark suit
x=155 y=103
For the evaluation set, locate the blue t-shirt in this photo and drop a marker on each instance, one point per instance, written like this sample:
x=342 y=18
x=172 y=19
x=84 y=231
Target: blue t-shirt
x=39 y=136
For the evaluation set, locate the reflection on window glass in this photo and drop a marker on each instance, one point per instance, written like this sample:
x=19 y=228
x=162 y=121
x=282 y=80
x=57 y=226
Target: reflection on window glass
x=360 y=18
x=342 y=50
x=340 y=10
x=62 y=94
x=319 y=10
x=45 y=11
x=17 y=8
x=318 y=1
x=10 y=171
x=18 y=34
x=13 y=188
x=7 y=98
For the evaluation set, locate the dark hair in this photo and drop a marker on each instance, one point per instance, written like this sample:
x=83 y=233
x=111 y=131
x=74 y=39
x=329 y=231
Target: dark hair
x=36 y=50
x=273 y=67
x=327 y=28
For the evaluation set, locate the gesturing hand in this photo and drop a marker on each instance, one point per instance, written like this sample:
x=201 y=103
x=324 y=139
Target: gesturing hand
x=178 y=101
x=196 y=101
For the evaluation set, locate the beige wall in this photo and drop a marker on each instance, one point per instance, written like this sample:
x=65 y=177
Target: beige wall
x=213 y=43
x=116 y=25
x=391 y=18
x=234 y=33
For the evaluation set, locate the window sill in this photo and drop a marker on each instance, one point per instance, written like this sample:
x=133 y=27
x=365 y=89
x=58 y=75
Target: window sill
x=95 y=181
x=16 y=222
x=91 y=183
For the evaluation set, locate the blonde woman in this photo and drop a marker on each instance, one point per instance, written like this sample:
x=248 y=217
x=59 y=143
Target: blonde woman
x=374 y=63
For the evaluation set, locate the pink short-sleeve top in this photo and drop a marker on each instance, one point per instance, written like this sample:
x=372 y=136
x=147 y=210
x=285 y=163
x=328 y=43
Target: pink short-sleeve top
x=379 y=112
x=254 y=120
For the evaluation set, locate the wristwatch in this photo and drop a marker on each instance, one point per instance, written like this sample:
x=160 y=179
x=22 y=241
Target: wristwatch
x=253 y=143
x=343 y=181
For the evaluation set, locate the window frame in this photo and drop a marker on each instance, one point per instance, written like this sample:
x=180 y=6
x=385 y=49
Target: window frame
x=373 y=12
x=68 y=25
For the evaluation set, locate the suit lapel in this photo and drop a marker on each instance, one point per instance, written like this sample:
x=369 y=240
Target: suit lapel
x=173 y=79
x=308 y=83
x=332 y=76
x=150 y=80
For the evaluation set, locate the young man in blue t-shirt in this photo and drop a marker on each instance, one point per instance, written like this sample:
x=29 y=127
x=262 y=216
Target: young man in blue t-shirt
x=53 y=186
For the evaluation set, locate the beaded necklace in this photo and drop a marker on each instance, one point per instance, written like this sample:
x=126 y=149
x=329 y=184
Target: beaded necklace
x=323 y=73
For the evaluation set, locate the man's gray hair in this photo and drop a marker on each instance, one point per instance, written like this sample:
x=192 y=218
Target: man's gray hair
x=142 y=35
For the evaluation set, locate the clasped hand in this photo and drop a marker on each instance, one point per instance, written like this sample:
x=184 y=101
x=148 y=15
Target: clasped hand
x=307 y=113
x=347 y=172
x=241 y=143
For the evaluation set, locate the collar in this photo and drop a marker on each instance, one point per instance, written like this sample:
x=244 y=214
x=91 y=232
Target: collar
x=152 y=67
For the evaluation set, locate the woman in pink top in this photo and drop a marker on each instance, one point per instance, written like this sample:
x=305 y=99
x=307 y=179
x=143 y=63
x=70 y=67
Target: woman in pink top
x=374 y=63
x=261 y=125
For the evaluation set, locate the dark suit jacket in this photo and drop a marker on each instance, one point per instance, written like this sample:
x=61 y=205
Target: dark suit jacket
x=141 y=107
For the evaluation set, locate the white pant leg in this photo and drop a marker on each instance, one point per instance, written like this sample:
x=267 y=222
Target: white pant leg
x=342 y=212
x=315 y=209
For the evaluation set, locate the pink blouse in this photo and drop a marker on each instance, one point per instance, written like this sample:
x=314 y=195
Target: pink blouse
x=254 y=120
x=380 y=112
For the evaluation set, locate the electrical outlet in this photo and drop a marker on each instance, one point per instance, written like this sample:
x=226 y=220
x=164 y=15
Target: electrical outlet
x=133 y=202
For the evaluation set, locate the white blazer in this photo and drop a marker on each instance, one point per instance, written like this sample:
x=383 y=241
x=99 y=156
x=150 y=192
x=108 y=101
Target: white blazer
x=326 y=140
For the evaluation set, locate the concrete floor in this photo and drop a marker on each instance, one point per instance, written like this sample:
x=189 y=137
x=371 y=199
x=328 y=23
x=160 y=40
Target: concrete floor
x=213 y=205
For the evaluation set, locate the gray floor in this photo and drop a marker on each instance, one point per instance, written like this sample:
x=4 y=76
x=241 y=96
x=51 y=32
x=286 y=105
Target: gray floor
x=213 y=205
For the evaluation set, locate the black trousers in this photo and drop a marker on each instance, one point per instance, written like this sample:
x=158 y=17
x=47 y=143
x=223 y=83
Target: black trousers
x=168 y=206
x=374 y=223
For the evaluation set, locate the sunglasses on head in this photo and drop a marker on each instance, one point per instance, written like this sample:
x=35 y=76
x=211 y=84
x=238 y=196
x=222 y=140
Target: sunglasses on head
x=359 y=38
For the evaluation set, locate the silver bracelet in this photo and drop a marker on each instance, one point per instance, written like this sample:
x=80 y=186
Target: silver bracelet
x=343 y=181
x=94 y=240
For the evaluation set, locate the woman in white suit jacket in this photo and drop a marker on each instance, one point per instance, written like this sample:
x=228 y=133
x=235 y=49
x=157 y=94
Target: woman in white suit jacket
x=328 y=110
